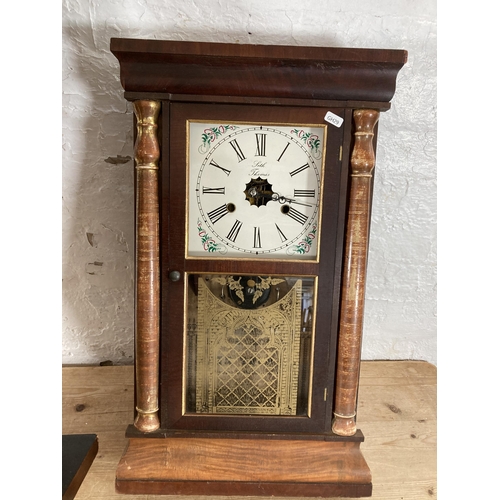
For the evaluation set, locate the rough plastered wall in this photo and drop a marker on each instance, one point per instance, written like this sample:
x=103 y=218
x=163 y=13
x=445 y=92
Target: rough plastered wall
x=400 y=319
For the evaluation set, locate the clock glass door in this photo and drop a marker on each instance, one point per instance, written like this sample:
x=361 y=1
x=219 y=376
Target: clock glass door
x=249 y=323
x=249 y=344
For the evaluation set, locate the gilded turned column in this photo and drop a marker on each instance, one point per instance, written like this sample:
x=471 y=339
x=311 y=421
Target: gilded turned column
x=147 y=332
x=353 y=284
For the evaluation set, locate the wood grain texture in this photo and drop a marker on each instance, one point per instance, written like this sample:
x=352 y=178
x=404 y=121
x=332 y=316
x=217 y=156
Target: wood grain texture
x=199 y=68
x=398 y=417
x=353 y=283
x=242 y=465
x=147 y=334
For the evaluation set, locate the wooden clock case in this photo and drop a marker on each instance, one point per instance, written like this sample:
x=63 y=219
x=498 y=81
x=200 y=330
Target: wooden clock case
x=170 y=82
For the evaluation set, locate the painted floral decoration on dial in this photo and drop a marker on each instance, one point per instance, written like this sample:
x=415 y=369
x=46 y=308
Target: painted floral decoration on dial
x=254 y=190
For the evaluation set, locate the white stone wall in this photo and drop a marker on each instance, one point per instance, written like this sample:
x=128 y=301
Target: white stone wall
x=97 y=166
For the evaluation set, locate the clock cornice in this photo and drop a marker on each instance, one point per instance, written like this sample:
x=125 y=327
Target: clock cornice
x=262 y=71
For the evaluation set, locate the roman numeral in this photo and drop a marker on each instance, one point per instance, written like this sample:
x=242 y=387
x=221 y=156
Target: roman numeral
x=297 y=216
x=304 y=193
x=261 y=144
x=300 y=169
x=237 y=150
x=214 y=164
x=218 y=213
x=207 y=190
x=233 y=234
x=283 y=238
x=256 y=237
x=283 y=152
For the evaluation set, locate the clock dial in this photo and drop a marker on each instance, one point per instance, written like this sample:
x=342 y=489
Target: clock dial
x=254 y=190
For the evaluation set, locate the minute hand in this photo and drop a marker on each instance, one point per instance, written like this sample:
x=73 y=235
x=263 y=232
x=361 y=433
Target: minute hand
x=298 y=202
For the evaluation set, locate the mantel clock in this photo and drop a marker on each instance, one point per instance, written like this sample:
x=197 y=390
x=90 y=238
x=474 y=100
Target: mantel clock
x=254 y=170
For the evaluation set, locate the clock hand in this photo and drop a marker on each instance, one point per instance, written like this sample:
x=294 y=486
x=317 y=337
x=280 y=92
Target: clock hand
x=299 y=203
x=284 y=199
x=275 y=197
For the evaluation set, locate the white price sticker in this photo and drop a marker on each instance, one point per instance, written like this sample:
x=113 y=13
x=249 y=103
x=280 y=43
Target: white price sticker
x=334 y=119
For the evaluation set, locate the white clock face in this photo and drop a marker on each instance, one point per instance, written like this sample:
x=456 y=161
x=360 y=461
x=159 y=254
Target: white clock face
x=254 y=190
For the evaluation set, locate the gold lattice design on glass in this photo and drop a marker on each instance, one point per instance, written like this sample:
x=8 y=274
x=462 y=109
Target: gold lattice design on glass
x=247 y=371
x=248 y=360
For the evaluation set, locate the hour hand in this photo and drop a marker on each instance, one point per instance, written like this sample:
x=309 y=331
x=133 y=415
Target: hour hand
x=284 y=199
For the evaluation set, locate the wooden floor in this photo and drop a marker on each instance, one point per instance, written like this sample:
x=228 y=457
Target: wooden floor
x=396 y=412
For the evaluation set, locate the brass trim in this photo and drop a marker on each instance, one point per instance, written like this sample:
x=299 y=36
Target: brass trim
x=313 y=346
x=147 y=412
x=344 y=416
x=151 y=166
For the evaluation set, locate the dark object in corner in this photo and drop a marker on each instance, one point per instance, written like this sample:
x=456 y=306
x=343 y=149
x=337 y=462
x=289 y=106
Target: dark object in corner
x=78 y=453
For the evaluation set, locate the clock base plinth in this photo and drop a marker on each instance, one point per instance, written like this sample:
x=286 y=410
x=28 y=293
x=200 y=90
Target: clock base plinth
x=250 y=467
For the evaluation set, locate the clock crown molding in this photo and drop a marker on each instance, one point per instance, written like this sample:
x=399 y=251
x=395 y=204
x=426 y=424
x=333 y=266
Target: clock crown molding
x=263 y=71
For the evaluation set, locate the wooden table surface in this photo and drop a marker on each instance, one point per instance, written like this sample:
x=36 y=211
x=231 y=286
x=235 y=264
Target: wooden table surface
x=396 y=412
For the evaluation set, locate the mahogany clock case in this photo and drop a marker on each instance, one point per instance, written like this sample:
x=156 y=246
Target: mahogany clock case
x=170 y=84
